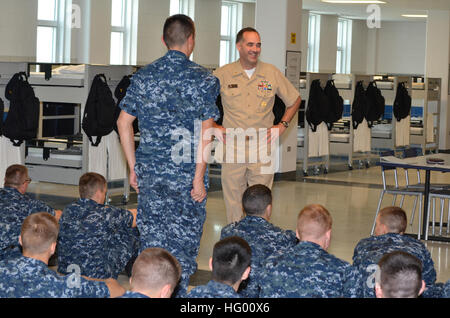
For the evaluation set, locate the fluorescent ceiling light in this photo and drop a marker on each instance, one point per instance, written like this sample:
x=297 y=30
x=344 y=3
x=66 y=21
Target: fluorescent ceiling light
x=354 y=1
x=415 y=15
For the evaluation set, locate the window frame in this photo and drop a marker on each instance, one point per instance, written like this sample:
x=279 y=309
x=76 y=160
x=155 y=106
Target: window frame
x=344 y=46
x=128 y=30
x=234 y=24
x=313 y=42
x=61 y=27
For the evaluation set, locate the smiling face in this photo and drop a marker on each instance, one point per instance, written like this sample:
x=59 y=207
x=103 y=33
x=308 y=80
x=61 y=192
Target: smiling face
x=249 y=49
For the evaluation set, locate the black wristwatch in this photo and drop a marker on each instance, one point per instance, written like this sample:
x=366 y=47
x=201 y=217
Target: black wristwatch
x=284 y=123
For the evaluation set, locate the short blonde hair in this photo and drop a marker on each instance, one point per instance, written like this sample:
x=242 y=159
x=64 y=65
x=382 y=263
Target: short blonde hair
x=394 y=218
x=39 y=231
x=154 y=268
x=313 y=221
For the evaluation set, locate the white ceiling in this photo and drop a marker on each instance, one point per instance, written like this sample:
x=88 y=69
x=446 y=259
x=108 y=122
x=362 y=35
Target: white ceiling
x=390 y=11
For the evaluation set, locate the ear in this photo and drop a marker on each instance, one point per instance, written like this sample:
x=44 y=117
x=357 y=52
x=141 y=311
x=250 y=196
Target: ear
x=166 y=291
x=53 y=248
x=163 y=42
x=210 y=263
x=424 y=286
x=20 y=240
x=296 y=234
x=378 y=291
x=269 y=211
x=246 y=273
x=327 y=238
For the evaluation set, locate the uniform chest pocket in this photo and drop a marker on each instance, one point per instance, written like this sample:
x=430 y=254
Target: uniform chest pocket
x=265 y=100
x=231 y=98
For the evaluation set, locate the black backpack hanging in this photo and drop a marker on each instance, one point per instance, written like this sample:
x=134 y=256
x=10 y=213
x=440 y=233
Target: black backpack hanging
x=402 y=102
x=318 y=105
x=119 y=93
x=375 y=103
x=336 y=103
x=22 y=120
x=99 y=112
x=359 y=105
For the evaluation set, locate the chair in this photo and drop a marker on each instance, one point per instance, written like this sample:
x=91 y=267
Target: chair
x=419 y=186
x=442 y=195
x=395 y=190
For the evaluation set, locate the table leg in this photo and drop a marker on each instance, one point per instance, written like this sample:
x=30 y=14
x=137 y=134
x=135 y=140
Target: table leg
x=426 y=193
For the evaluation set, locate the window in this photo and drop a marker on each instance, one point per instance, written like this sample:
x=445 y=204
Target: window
x=344 y=46
x=313 y=43
x=231 y=23
x=182 y=7
x=53 y=31
x=123 y=31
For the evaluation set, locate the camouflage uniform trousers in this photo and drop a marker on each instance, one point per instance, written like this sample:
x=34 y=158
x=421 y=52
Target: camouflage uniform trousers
x=169 y=218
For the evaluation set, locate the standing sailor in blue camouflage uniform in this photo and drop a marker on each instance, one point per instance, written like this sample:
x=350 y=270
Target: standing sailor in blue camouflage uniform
x=307 y=269
x=15 y=206
x=171 y=97
x=264 y=238
x=230 y=265
x=390 y=225
x=100 y=239
x=29 y=276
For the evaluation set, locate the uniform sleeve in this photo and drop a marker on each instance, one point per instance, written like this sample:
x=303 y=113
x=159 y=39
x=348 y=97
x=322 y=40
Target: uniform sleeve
x=210 y=92
x=134 y=96
x=428 y=271
x=83 y=288
x=40 y=206
x=286 y=91
x=353 y=283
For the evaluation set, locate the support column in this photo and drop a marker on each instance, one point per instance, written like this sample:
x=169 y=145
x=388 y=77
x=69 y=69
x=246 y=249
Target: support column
x=437 y=60
x=279 y=24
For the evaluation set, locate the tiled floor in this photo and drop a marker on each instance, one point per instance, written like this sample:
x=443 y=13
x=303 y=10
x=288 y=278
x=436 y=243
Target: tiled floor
x=350 y=196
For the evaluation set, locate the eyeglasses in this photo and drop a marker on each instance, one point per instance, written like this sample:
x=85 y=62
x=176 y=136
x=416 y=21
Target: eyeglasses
x=28 y=180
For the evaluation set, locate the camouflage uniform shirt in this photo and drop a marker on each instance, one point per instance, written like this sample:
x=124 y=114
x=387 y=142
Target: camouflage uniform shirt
x=307 y=270
x=369 y=251
x=265 y=239
x=25 y=277
x=96 y=237
x=14 y=208
x=170 y=97
x=213 y=289
x=130 y=294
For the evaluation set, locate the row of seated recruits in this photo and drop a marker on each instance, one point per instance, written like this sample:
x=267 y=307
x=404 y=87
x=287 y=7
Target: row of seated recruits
x=253 y=258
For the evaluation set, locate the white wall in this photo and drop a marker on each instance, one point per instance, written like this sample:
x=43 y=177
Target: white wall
x=401 y=47
x=359 y=47
x=248 y=15
x=328 y=43
x=207 y=25
x=152 y=14
x=18 y=23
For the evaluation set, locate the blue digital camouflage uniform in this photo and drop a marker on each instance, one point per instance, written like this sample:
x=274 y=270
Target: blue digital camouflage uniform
x=213 y=289
x=24 y=277
x=96 y=237
x=307 y=270
x=130 y=294
x=170 y=97
x=14 y=208
x=265 y=239
x=369 y=251
x=446 y=290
